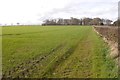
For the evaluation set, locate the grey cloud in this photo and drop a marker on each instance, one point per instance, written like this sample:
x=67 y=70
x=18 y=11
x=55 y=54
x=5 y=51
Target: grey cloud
x=86 y=9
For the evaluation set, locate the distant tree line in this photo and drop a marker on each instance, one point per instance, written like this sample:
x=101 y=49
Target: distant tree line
x=75 y=21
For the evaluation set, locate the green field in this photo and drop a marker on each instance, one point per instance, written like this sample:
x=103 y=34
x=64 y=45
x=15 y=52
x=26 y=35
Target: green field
x=55 y=52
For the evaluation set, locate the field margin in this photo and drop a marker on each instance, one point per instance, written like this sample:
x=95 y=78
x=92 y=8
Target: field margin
x=112 y=43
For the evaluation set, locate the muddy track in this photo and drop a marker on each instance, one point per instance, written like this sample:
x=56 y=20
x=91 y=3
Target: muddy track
x=26 y=68
x=77 y=61
x=59 y=60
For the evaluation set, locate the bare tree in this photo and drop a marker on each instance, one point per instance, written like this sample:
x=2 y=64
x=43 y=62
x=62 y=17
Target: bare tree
x=74 y=21
x=96 y=21
x=60 y=21
x=86 y=21
x=108 y=22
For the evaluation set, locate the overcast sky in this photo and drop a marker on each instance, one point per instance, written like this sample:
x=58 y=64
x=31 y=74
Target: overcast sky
x=35 y=11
